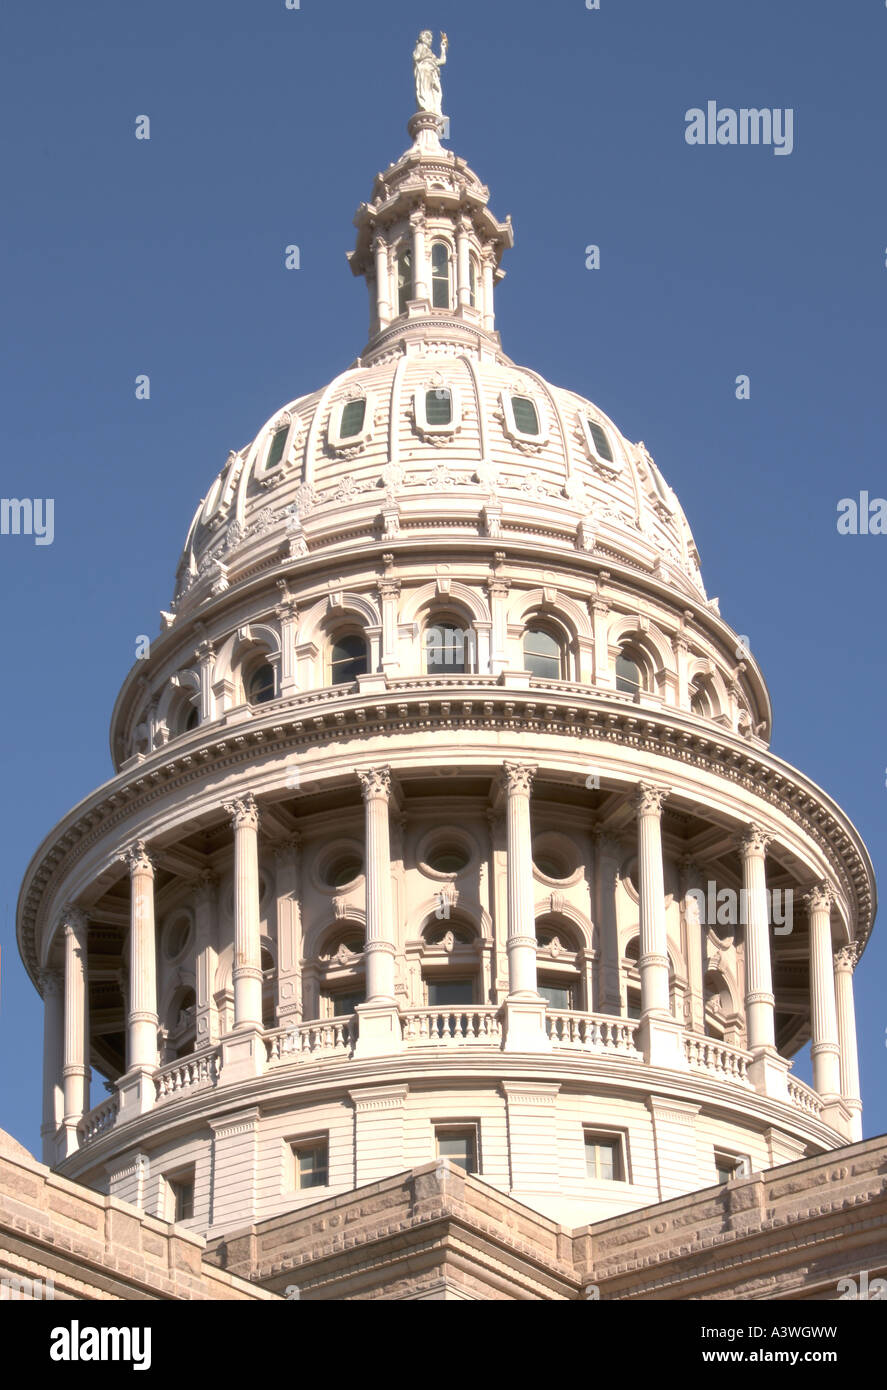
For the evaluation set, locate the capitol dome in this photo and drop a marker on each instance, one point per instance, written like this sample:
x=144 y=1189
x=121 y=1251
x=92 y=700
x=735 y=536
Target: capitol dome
x=444 y=822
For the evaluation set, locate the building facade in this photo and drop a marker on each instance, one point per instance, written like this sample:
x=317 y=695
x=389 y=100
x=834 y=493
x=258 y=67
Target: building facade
x=444 y=823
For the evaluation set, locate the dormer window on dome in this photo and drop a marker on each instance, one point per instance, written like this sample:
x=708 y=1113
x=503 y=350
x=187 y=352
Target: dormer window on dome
x=522 y=418
x=351 y=421
x=598 y=441
x=436 y=407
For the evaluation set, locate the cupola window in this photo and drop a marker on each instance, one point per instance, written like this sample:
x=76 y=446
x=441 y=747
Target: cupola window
x=348 y=659
x=440 y=275
x=438 y=406
x=543 y=656
x=353 y=416
x=526 y=418
x=404 y=280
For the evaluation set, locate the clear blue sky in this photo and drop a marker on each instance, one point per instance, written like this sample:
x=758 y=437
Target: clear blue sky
x=166 y=257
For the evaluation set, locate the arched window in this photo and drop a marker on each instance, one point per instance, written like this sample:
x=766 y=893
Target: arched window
x=700 y=698
x=543 y=654
x=472 y=281
x=260 y=684
x=404 y=279
x=348 y=659
x=440 y=275
x=448 y=647
x=629 y=673
x=192 y=720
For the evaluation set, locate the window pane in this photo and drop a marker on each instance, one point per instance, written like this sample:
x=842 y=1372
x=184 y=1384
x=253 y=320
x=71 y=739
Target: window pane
x=193 y=719
x=183 y=1197
x=601 y=442
x=440 y=276
x=628 y=675
x=353 y=416
x=633 y=1007
x=603 y=1158
x=446 y=647
x=438 y=407
x=472 y=282
x=348 y=659
x=542 y=654
x=261 y=685
x=311 y=1165
x=558 y=996
x=444 y=994
x=345 y=1004
x=525 y=417
x=275 y=453
x=404 y=280
x=460 y=1147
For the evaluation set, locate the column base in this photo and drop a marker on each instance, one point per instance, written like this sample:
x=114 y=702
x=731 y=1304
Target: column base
x=67 y=1142
x=768 y=1073
x=836 y=1115
x=855 y=1110
x=661 y=1040
x=523 y=1026
x=136 y=1092
x=379 y=1031
x=243 y=1056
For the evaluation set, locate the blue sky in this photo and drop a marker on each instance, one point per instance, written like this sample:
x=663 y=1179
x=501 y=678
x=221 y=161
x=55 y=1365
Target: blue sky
x=166 y=257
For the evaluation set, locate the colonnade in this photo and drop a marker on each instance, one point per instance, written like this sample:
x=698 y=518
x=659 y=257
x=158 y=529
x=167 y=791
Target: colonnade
x=833 y=1027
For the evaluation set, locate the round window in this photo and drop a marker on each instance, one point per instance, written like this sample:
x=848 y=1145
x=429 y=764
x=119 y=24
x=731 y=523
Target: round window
x=551 y=865
x=343 y=870
x=448 y=859
x=176 y=937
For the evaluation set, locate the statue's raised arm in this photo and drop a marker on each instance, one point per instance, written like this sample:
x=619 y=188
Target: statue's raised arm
x=426 y=69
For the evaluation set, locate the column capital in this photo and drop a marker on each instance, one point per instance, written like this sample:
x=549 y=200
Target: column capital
x=846 y=957
x=417 y=220
x=754 y=840
x=137 y=859
x=375 y=783
x=379 y=242
x=243 y=811
x=819 y=898
x=517 y=778
x=649 y=799
x=73 y=921
x=51 y=983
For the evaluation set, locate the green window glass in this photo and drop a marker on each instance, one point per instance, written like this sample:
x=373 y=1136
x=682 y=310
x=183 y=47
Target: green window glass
x=558 y=996
x=438 y=407
x=353 y=416
x=345 y=1004
x=440 y=276
x=275 y=452
x=601 y=442
x=444 y=994
x=525 y=418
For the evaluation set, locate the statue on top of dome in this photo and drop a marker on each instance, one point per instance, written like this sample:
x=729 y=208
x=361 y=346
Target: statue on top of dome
x=426 y=70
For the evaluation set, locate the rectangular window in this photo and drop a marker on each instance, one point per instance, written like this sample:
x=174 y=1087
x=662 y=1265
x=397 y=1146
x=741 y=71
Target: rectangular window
x=558 y=996
x=458 y=1144
x=525 y=418
x=601 y=442
x=444 y=994
x=310 y=1163
x=604 y=1159
x=181 y=1196
x=353 y=416
x=633 y=1005
x=730 y=1166
x=342 y=1004
x=438 y=406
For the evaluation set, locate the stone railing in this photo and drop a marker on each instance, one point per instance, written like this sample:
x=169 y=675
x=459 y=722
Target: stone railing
x=332 y=1037
x=715 y=1058
x=431 y=1027
x=591 y=1032
x=803 y=1097
x=98 y=1120
x=186 y=1074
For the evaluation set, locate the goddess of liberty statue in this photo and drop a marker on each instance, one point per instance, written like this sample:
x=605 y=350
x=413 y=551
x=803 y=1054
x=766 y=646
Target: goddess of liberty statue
x=426 y=69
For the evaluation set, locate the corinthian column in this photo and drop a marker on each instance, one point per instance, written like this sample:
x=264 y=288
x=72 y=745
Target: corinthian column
x=52 y=989
x=759 y=1000
x=420 y=266
x=379 y=1029
x=825 y=1048
x=525 y=1011
x=142 y=1020
x=75 y=1070
x=659 y=1035
x=383 y=289
x=845 y=963
x=247 y=971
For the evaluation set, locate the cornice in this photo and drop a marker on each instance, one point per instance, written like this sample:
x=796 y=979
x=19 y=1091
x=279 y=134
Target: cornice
x=420 y=705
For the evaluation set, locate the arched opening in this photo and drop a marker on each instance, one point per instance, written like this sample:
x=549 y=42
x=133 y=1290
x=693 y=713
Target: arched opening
x=630 y=671
x=404 y=279
x=449 y=645
x=543 y=652
x=258 y=682
x=440 y=275
x=348 y=658
x=472 y=281
x=450 y=962
x=558 y=976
